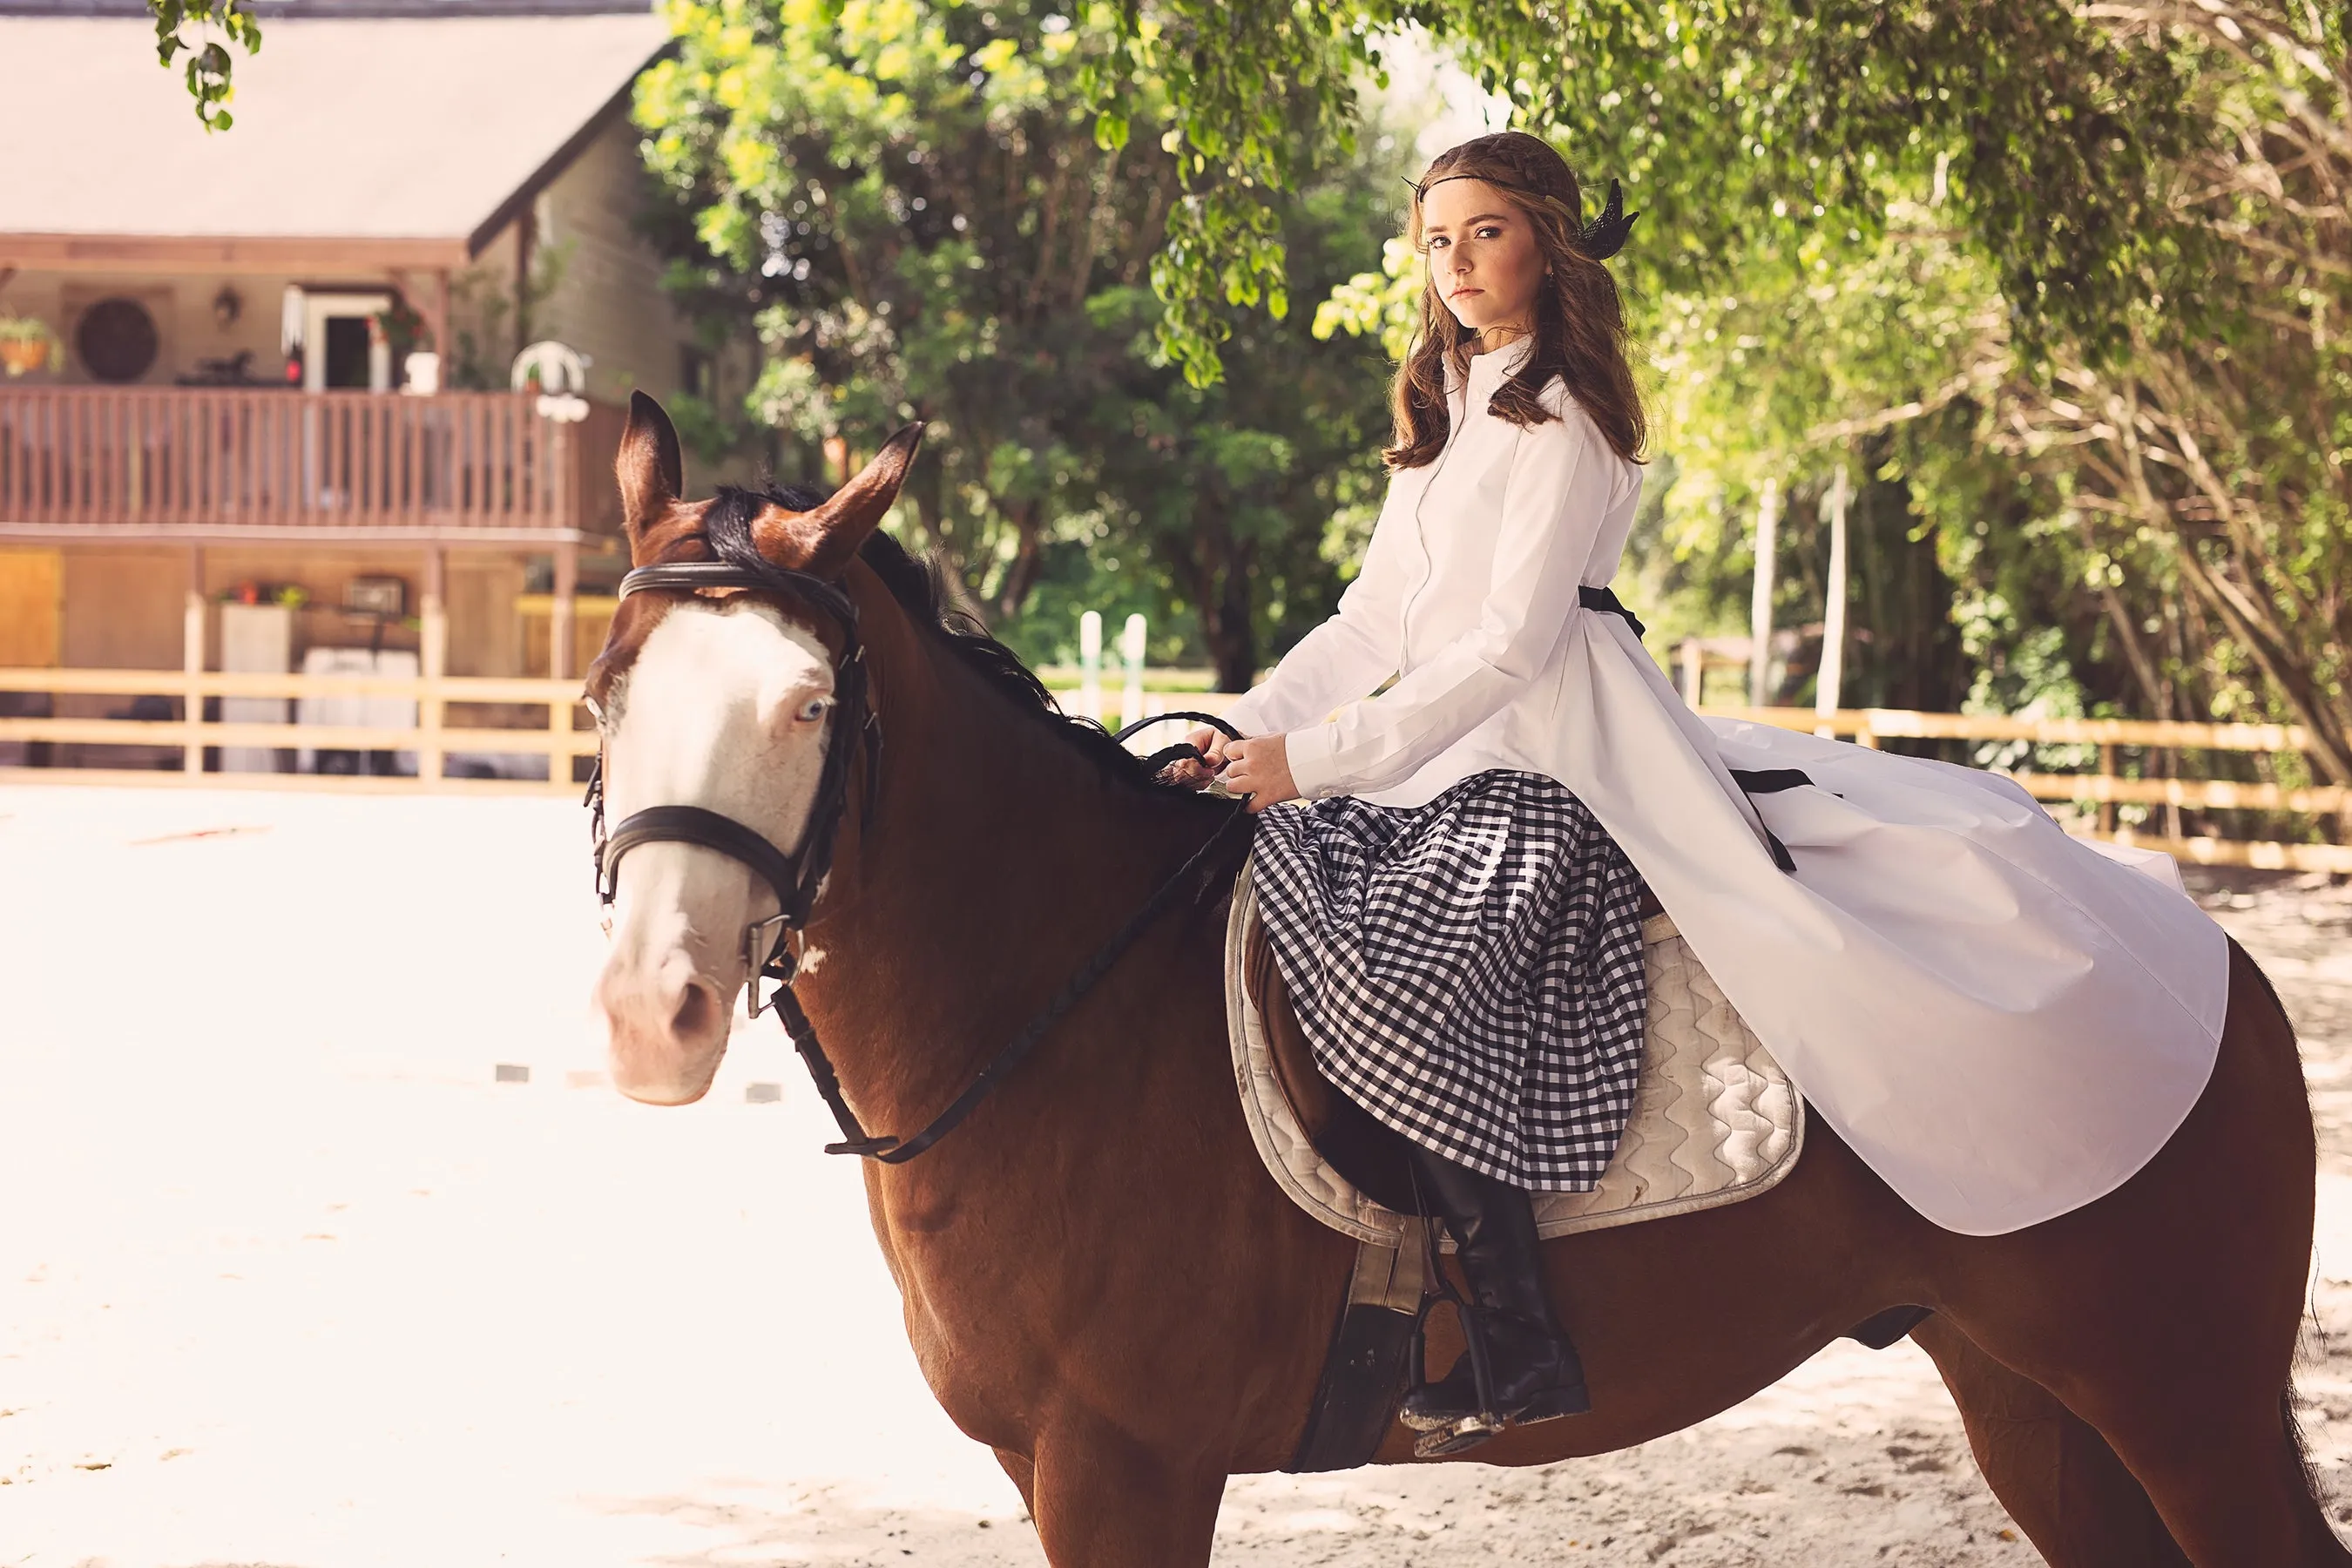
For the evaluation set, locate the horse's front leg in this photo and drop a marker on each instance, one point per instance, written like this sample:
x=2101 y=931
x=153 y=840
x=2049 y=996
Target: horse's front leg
x=1103 y=1499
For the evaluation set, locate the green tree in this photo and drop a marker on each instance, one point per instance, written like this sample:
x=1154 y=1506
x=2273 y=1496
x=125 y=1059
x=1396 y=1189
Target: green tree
x=910 y=206
x=205 y=30
x=910 y=201
x=2147 y=517
x=2071 y=281
x=1232 y=488
x=1727 y=116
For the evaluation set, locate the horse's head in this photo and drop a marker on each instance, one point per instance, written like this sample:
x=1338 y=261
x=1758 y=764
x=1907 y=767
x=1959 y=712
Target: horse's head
x=722 y=699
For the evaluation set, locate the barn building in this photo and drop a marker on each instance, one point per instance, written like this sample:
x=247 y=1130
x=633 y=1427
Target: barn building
x=261 y=407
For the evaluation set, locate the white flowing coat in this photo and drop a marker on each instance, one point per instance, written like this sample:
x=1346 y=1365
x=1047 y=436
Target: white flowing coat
x=2005 y=1023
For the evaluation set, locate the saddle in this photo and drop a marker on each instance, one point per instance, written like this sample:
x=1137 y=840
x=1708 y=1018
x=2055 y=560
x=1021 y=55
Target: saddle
x=1715 y=1120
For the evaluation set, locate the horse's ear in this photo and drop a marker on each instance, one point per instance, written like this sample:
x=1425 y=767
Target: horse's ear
x=823 y=541
x=650 y=472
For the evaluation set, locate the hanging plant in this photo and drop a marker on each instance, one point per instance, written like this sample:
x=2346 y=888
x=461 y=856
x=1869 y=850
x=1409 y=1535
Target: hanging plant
x=27 y=345
x=402 y=329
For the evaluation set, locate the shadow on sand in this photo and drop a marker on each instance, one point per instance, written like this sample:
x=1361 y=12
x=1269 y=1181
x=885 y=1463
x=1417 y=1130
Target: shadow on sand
x=754 y=1526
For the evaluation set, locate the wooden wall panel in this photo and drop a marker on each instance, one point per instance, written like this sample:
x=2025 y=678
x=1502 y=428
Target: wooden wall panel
x=123 y=608
x=609 y=304
x=485 y=633
x=32 y=608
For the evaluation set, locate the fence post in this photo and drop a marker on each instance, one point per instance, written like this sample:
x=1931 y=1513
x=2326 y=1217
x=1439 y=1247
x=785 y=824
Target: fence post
x=1130 y=648
x=2107 y=806
x=1694 y=663
x=192 y=662
x=559 y=610
x=432 y=660
x=558 y=762
x=1759 y=618
x=1090 y=665
x=1832 y=678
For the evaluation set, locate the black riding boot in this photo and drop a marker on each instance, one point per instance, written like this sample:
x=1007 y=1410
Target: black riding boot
x=1532 y=1368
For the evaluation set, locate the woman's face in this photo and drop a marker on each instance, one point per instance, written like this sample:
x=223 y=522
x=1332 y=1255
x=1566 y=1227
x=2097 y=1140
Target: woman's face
x=1483 y=255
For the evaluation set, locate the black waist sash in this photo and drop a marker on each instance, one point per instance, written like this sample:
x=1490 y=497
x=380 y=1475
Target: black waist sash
x=1757 y=780
x=1605 y=600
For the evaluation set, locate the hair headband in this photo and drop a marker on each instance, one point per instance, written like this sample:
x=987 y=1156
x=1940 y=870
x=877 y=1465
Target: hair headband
x=1601 y=238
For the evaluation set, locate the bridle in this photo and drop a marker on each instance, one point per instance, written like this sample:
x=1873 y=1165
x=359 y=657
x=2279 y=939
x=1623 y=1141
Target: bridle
x=798 y=876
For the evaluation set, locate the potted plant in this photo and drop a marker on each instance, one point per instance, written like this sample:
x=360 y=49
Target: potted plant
x=410 y=341
x=26 y=343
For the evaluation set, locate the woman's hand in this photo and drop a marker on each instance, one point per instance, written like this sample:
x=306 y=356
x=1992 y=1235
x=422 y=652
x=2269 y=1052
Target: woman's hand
x=1259 y=768
x=1191 y=774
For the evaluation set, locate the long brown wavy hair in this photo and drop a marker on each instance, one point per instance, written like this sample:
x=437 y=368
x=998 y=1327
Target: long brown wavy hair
x=1580 y=327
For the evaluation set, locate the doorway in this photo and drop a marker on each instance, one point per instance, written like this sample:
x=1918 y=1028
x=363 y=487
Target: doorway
x=342 y=349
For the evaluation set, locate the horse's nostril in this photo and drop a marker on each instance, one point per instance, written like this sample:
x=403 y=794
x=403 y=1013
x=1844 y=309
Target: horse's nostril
x=697 y=1008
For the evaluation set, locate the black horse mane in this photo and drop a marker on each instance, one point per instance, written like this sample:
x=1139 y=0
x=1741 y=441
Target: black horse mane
x=919 y=585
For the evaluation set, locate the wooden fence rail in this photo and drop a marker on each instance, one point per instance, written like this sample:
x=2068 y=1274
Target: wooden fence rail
x=431 y=739
x=2106 y=787
x=566 y=735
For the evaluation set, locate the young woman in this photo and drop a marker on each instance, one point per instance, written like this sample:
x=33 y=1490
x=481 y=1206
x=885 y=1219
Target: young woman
x=2005 y=1023
x=1462 y=937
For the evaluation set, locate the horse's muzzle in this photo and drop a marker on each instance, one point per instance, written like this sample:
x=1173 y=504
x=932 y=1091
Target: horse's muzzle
x=668 y=1028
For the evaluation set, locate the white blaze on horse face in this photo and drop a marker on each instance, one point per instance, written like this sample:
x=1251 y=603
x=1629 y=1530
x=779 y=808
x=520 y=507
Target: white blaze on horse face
x=725 y=707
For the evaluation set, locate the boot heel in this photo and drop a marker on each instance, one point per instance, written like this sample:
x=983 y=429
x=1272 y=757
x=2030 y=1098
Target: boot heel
x=1570 y=1399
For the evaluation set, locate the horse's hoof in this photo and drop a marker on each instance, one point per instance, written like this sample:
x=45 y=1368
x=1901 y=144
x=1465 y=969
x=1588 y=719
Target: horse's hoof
x=1455 y=1436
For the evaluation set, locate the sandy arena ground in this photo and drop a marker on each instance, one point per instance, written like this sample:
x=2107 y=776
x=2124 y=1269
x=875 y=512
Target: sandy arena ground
x=287 y=1279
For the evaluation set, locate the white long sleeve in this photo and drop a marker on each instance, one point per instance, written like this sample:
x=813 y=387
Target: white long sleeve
x=1558 y=493
x=1349 y=654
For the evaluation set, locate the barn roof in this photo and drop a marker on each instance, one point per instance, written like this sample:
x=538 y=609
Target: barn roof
x=413 y=136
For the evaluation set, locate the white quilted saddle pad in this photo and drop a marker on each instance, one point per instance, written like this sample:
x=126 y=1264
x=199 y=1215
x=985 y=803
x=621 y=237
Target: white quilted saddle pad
x=1715 y=1119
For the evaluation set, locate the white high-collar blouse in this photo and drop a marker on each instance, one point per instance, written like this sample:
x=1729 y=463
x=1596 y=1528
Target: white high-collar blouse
x=2002 y=1020
x=1465 y=595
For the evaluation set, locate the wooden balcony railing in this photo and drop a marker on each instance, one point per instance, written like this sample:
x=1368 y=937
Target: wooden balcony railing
x=198 y=461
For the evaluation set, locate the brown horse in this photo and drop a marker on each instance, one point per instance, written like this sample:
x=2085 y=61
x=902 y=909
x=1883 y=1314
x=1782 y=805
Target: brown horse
x=1101 y=1281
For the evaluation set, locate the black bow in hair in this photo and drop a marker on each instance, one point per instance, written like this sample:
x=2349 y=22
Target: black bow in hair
x=1604 y=237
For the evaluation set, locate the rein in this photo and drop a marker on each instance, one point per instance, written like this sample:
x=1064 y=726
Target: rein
x=895 y=1151
x=797 y=877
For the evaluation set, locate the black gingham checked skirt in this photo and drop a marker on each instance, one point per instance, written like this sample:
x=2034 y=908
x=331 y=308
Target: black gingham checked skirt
x=1468 y=970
